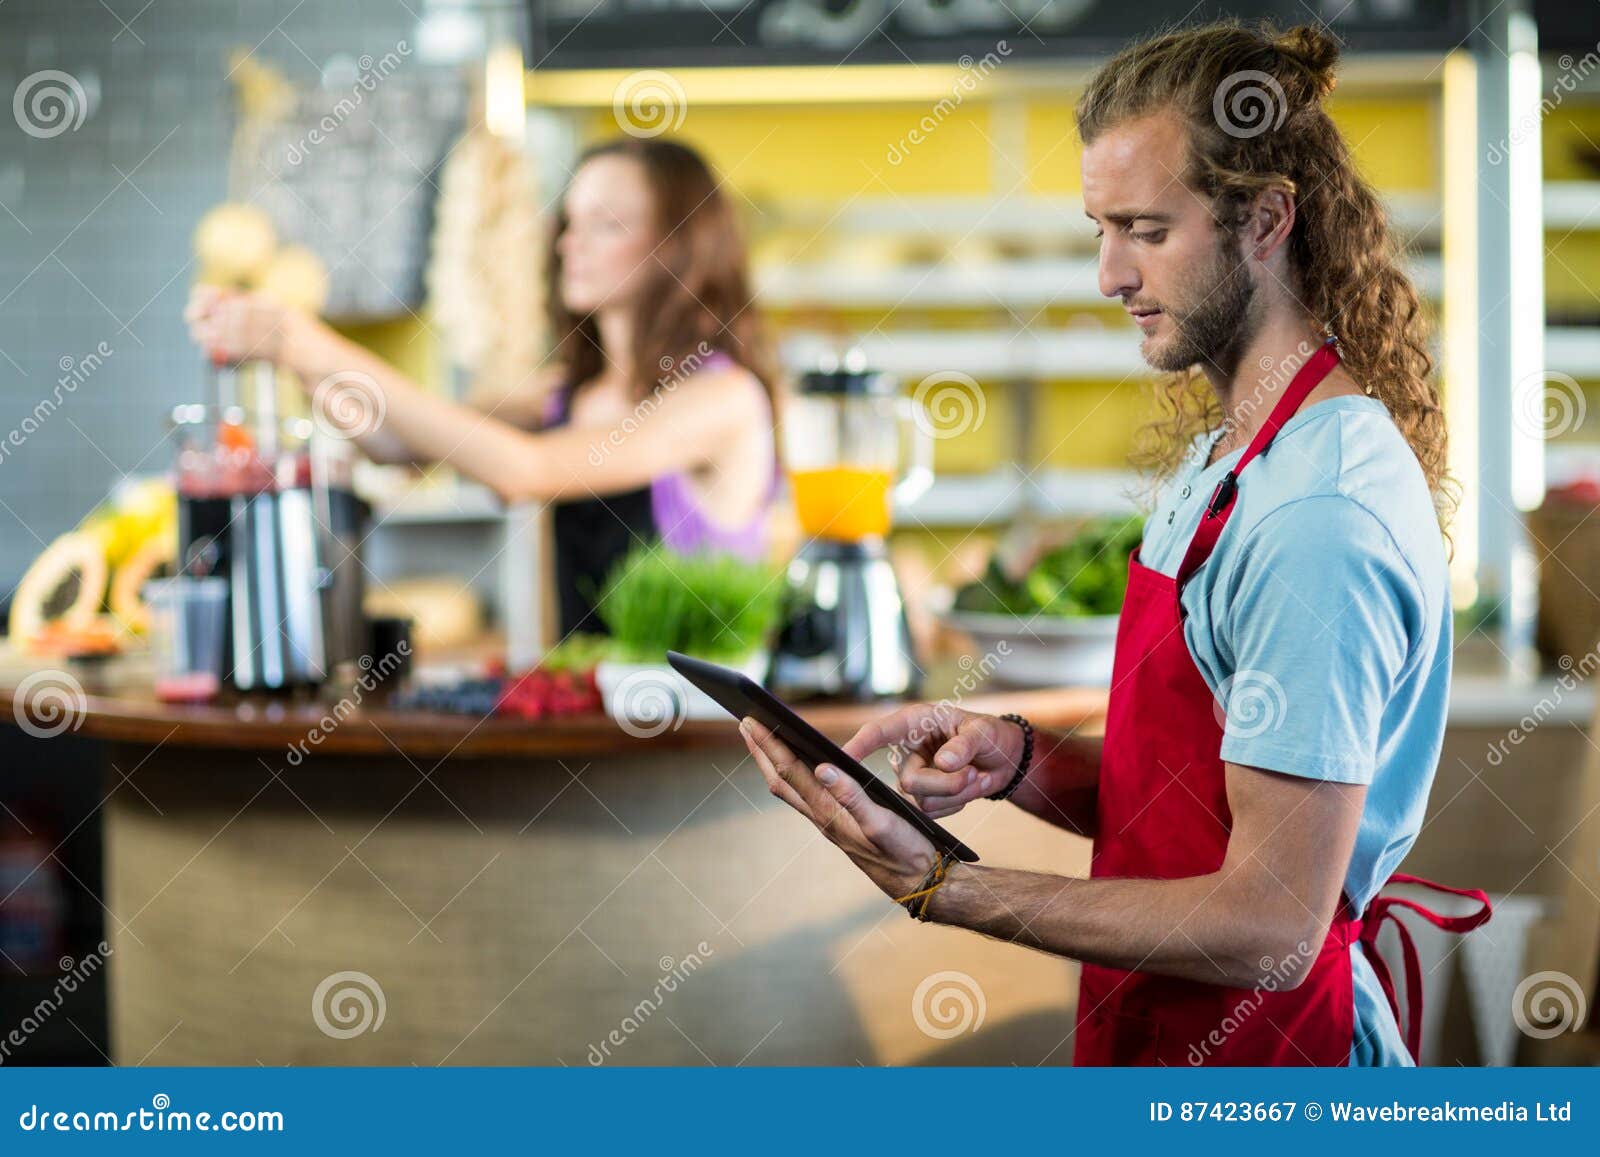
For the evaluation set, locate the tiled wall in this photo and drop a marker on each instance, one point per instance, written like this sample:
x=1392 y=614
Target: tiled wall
x=95 y=225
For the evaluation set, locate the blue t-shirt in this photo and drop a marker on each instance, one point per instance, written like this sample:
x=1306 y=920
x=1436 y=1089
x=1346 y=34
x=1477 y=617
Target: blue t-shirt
x=1322 y=621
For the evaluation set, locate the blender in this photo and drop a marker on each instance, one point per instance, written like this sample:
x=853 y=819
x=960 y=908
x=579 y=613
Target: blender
x=267 y=505
x=853 y=447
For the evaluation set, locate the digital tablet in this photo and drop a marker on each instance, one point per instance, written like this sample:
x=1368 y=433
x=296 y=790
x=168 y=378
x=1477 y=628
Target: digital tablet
x=742 y=696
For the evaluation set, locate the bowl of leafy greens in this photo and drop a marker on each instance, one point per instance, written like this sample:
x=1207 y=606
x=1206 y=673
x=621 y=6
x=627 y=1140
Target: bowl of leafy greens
x=1054 y=623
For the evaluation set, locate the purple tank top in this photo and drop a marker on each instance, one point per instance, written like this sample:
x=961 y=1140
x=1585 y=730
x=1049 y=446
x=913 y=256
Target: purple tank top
x=680 y=521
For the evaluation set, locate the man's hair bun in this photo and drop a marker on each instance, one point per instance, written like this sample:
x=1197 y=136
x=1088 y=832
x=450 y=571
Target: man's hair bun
x=1315 y=50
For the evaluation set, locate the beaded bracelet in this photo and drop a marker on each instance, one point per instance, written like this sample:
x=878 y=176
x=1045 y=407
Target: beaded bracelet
x=1023 y=763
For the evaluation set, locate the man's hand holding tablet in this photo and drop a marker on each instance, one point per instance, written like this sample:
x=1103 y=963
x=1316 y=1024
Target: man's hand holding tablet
x=893 y=854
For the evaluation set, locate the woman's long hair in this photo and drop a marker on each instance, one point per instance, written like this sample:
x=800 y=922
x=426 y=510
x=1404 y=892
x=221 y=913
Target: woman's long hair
x=1251 y=100
x=698 y=285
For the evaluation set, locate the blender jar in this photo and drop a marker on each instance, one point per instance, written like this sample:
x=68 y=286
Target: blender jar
x=853 y=447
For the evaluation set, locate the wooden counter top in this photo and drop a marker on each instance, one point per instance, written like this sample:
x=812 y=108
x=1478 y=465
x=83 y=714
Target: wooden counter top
x=116 y=703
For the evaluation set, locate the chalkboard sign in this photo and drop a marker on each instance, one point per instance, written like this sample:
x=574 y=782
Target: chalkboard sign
x=684 y=33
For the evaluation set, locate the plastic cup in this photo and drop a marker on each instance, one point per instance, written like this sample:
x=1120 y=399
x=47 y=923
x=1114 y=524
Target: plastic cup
x=188 y=616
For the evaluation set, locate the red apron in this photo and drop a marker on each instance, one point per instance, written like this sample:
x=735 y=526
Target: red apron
x=1163 y=814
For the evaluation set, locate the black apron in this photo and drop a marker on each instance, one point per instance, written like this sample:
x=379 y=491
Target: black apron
x=592 y=534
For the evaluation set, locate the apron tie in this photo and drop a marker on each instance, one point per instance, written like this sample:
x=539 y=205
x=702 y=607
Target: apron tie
x=1382 y=908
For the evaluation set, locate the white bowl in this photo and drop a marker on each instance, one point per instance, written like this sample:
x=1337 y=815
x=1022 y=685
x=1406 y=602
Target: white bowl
x=1041 y=650
x=647 y=699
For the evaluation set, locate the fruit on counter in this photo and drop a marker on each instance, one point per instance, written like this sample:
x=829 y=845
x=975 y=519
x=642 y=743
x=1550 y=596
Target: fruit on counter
x=1087 y=575
x=465 y=697
x=64 y=585
x=137 y=511
x=131 y=537
x=536 y=694
x=96 y=637
x=579 y=651
x=1583 y=491
x=155 y=558
x=542 y=694
x=233 y=243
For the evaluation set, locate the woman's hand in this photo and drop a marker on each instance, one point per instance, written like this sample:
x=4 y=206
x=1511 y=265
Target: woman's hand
x=233 y=326
x=893 y=854
x=944 y=757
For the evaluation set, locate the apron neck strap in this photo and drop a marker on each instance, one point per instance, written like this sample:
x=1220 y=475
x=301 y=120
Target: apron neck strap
x=1306 y=379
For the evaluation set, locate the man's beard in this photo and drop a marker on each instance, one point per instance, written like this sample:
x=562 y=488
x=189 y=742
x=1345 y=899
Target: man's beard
x=1219 y=324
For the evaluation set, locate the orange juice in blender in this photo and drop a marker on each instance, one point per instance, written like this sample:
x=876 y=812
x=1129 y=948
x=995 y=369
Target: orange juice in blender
x=854 y=449
x=844 y=503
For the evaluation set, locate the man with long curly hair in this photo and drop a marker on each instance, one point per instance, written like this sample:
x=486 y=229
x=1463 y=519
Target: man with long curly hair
x=1281 y=679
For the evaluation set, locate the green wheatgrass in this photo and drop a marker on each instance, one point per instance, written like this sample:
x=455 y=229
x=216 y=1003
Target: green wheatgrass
x=713 y=606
